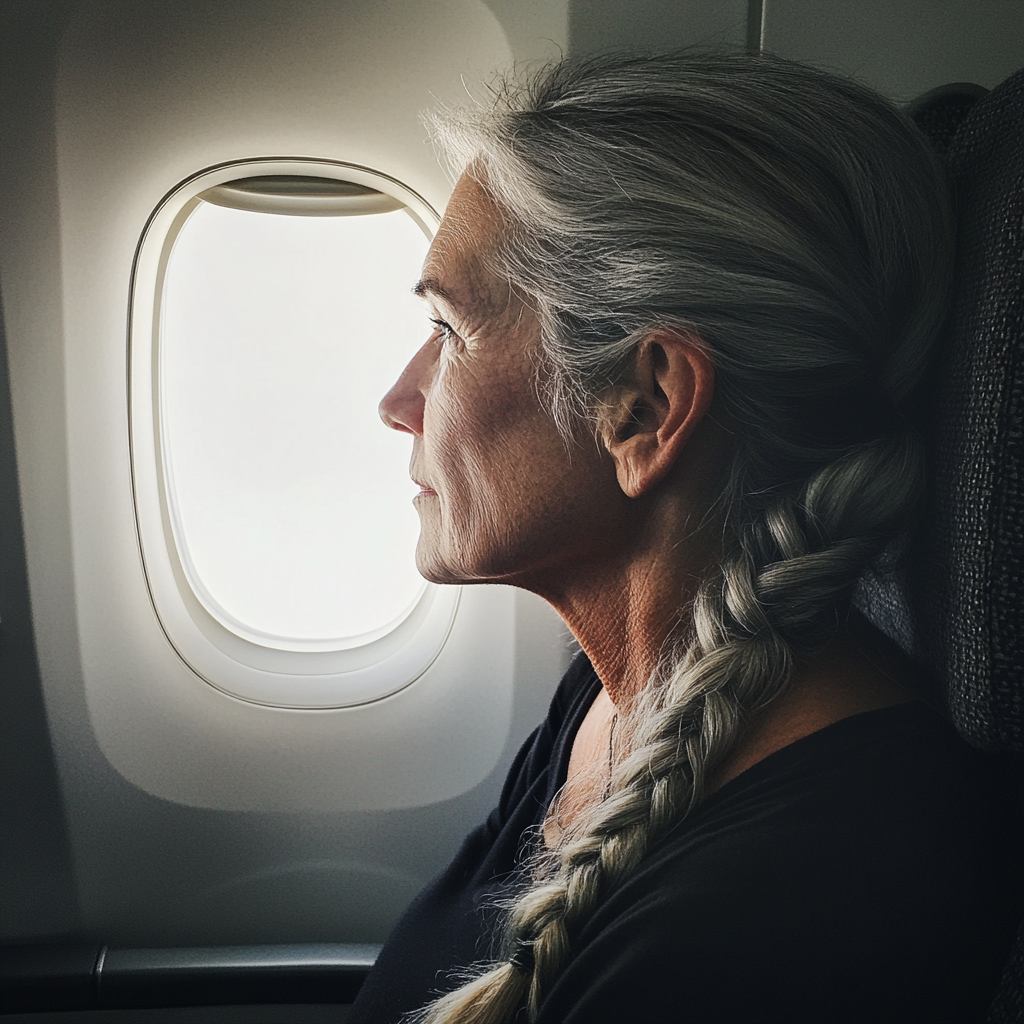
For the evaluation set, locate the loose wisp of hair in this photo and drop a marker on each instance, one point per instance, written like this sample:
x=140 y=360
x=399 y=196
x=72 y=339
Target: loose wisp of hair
x=797 y=226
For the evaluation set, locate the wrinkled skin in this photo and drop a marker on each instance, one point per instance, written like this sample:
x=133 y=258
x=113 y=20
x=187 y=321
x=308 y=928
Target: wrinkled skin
x=503 y=497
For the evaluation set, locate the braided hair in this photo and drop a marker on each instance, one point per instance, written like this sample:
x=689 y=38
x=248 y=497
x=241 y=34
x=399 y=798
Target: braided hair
x=796 y=225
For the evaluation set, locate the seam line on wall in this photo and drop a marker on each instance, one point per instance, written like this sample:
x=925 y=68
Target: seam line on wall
x=756 y=10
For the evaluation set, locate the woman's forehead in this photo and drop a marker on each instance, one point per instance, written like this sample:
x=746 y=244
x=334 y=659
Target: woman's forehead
x=455 y=269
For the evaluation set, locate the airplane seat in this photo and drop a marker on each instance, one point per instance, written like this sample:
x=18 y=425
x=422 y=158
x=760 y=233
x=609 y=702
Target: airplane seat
x=956 y=599
x=940 y=112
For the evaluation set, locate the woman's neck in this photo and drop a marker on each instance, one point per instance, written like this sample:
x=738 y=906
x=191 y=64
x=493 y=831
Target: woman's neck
x=624 y=632
x=638 y=590
x=623 y=611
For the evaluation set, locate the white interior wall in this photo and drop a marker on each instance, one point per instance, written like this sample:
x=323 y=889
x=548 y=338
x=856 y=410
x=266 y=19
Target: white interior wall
x=536 y=30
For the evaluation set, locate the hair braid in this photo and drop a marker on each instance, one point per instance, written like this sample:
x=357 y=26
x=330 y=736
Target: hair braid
x=794 y=223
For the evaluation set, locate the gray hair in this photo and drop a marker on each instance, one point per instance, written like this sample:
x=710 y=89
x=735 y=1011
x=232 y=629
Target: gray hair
x=796 y=225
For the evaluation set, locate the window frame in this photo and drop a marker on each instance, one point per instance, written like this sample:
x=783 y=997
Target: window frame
x=227 y=660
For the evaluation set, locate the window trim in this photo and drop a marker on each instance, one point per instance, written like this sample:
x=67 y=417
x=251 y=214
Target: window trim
x=305 y=678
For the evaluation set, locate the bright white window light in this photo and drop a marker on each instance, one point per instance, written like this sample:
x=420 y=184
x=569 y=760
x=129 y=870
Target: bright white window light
x=289 y=499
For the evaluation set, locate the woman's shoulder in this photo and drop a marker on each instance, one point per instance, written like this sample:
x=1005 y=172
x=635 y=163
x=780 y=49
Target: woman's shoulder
x=906 y=756
x=891 y=799
x=864 y=872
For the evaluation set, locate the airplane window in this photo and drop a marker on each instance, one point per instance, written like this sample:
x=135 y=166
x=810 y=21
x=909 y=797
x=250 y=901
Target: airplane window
x=284 y=320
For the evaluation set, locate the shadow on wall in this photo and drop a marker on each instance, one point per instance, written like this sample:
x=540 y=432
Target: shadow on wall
x=319 y=901
x=38 y=898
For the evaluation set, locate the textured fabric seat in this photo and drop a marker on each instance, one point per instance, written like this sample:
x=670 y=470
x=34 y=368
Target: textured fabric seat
x=940 y=112
x=956 y=601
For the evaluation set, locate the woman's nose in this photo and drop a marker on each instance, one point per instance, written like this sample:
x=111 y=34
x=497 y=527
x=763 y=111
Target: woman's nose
x=402 y=407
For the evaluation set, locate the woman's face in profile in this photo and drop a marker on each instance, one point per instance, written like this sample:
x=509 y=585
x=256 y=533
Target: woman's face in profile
x=503 y=497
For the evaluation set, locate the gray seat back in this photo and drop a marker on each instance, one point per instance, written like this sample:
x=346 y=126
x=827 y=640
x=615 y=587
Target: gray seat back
x=955 y=597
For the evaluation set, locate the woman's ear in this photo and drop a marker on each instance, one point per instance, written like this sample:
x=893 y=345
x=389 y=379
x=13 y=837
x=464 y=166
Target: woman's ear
x=648 y=420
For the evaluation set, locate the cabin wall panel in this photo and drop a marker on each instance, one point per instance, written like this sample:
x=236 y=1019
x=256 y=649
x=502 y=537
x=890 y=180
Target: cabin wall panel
x=38 y=898
x=901 y=49
x=655 y=25
x=537 y=30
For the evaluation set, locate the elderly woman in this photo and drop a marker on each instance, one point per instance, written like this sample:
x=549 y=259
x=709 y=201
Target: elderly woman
x=681 y=309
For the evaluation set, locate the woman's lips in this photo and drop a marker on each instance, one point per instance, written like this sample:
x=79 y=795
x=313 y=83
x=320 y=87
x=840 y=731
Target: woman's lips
x=424 y=491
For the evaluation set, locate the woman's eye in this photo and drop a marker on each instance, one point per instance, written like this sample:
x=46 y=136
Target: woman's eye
x=445 y=330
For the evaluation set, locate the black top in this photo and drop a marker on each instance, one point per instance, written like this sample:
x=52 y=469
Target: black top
x=863 y=873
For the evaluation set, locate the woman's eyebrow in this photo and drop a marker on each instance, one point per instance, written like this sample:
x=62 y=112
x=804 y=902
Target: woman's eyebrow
x=434 y=287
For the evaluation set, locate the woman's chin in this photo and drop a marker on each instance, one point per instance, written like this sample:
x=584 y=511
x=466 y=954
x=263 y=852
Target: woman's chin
x=436 y=567
x=440 y=564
